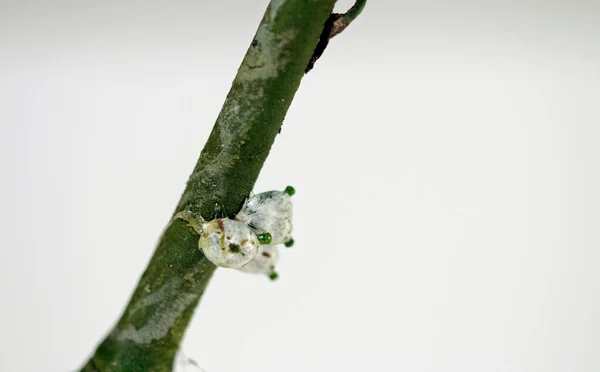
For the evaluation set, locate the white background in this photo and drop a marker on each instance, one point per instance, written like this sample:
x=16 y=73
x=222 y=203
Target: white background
x=445 y=156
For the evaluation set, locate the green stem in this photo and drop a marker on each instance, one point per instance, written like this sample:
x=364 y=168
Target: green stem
x=343 y=20
x=354 y=11
x=147 y=336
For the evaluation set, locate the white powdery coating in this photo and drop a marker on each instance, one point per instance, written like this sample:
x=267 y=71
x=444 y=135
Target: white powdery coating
x=265 y=260
x=270 y=212
x=266 y=59
x=228 y=243
x=274 y=7
x=161 y=322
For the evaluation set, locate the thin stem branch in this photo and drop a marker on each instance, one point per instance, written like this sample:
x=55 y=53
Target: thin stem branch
x=344 y=21
x=335 y=24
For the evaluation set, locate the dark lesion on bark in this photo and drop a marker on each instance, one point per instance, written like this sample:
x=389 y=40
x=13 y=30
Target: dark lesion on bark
x=335 y=24
x=323 y=41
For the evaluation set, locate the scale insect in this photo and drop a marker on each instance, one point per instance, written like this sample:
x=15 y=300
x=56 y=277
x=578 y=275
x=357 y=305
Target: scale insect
x=264 y=262
x=250 y=242
x=229 y=243
x=226 y=242
x=271 y=212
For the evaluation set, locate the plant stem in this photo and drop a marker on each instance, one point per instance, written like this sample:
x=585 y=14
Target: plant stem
x=353 y=12
x=147 y=336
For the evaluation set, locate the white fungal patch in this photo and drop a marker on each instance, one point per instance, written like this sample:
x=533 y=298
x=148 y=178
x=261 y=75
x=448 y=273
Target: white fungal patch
x=265 y=260
x=173 y=304
x=274 y=7
x=228 y=243
x=270 y=212
x=267 y=55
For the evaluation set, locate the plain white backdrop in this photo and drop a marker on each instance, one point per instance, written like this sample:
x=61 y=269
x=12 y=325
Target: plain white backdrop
x=445 y=156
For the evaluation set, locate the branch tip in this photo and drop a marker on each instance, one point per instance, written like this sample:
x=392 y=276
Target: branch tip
x=335 y=24
x=345 y=19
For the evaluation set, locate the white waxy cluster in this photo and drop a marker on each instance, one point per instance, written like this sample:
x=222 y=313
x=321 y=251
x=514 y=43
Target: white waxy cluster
x=264 y=262
x=270 y=212
x=250 y=242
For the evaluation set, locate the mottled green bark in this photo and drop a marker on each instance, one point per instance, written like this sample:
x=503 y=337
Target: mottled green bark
x=150 y=330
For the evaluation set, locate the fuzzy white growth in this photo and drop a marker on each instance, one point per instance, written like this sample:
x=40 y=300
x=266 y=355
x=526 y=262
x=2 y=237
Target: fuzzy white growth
x=228 y=243
x=271 y=212
x=265 y=260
